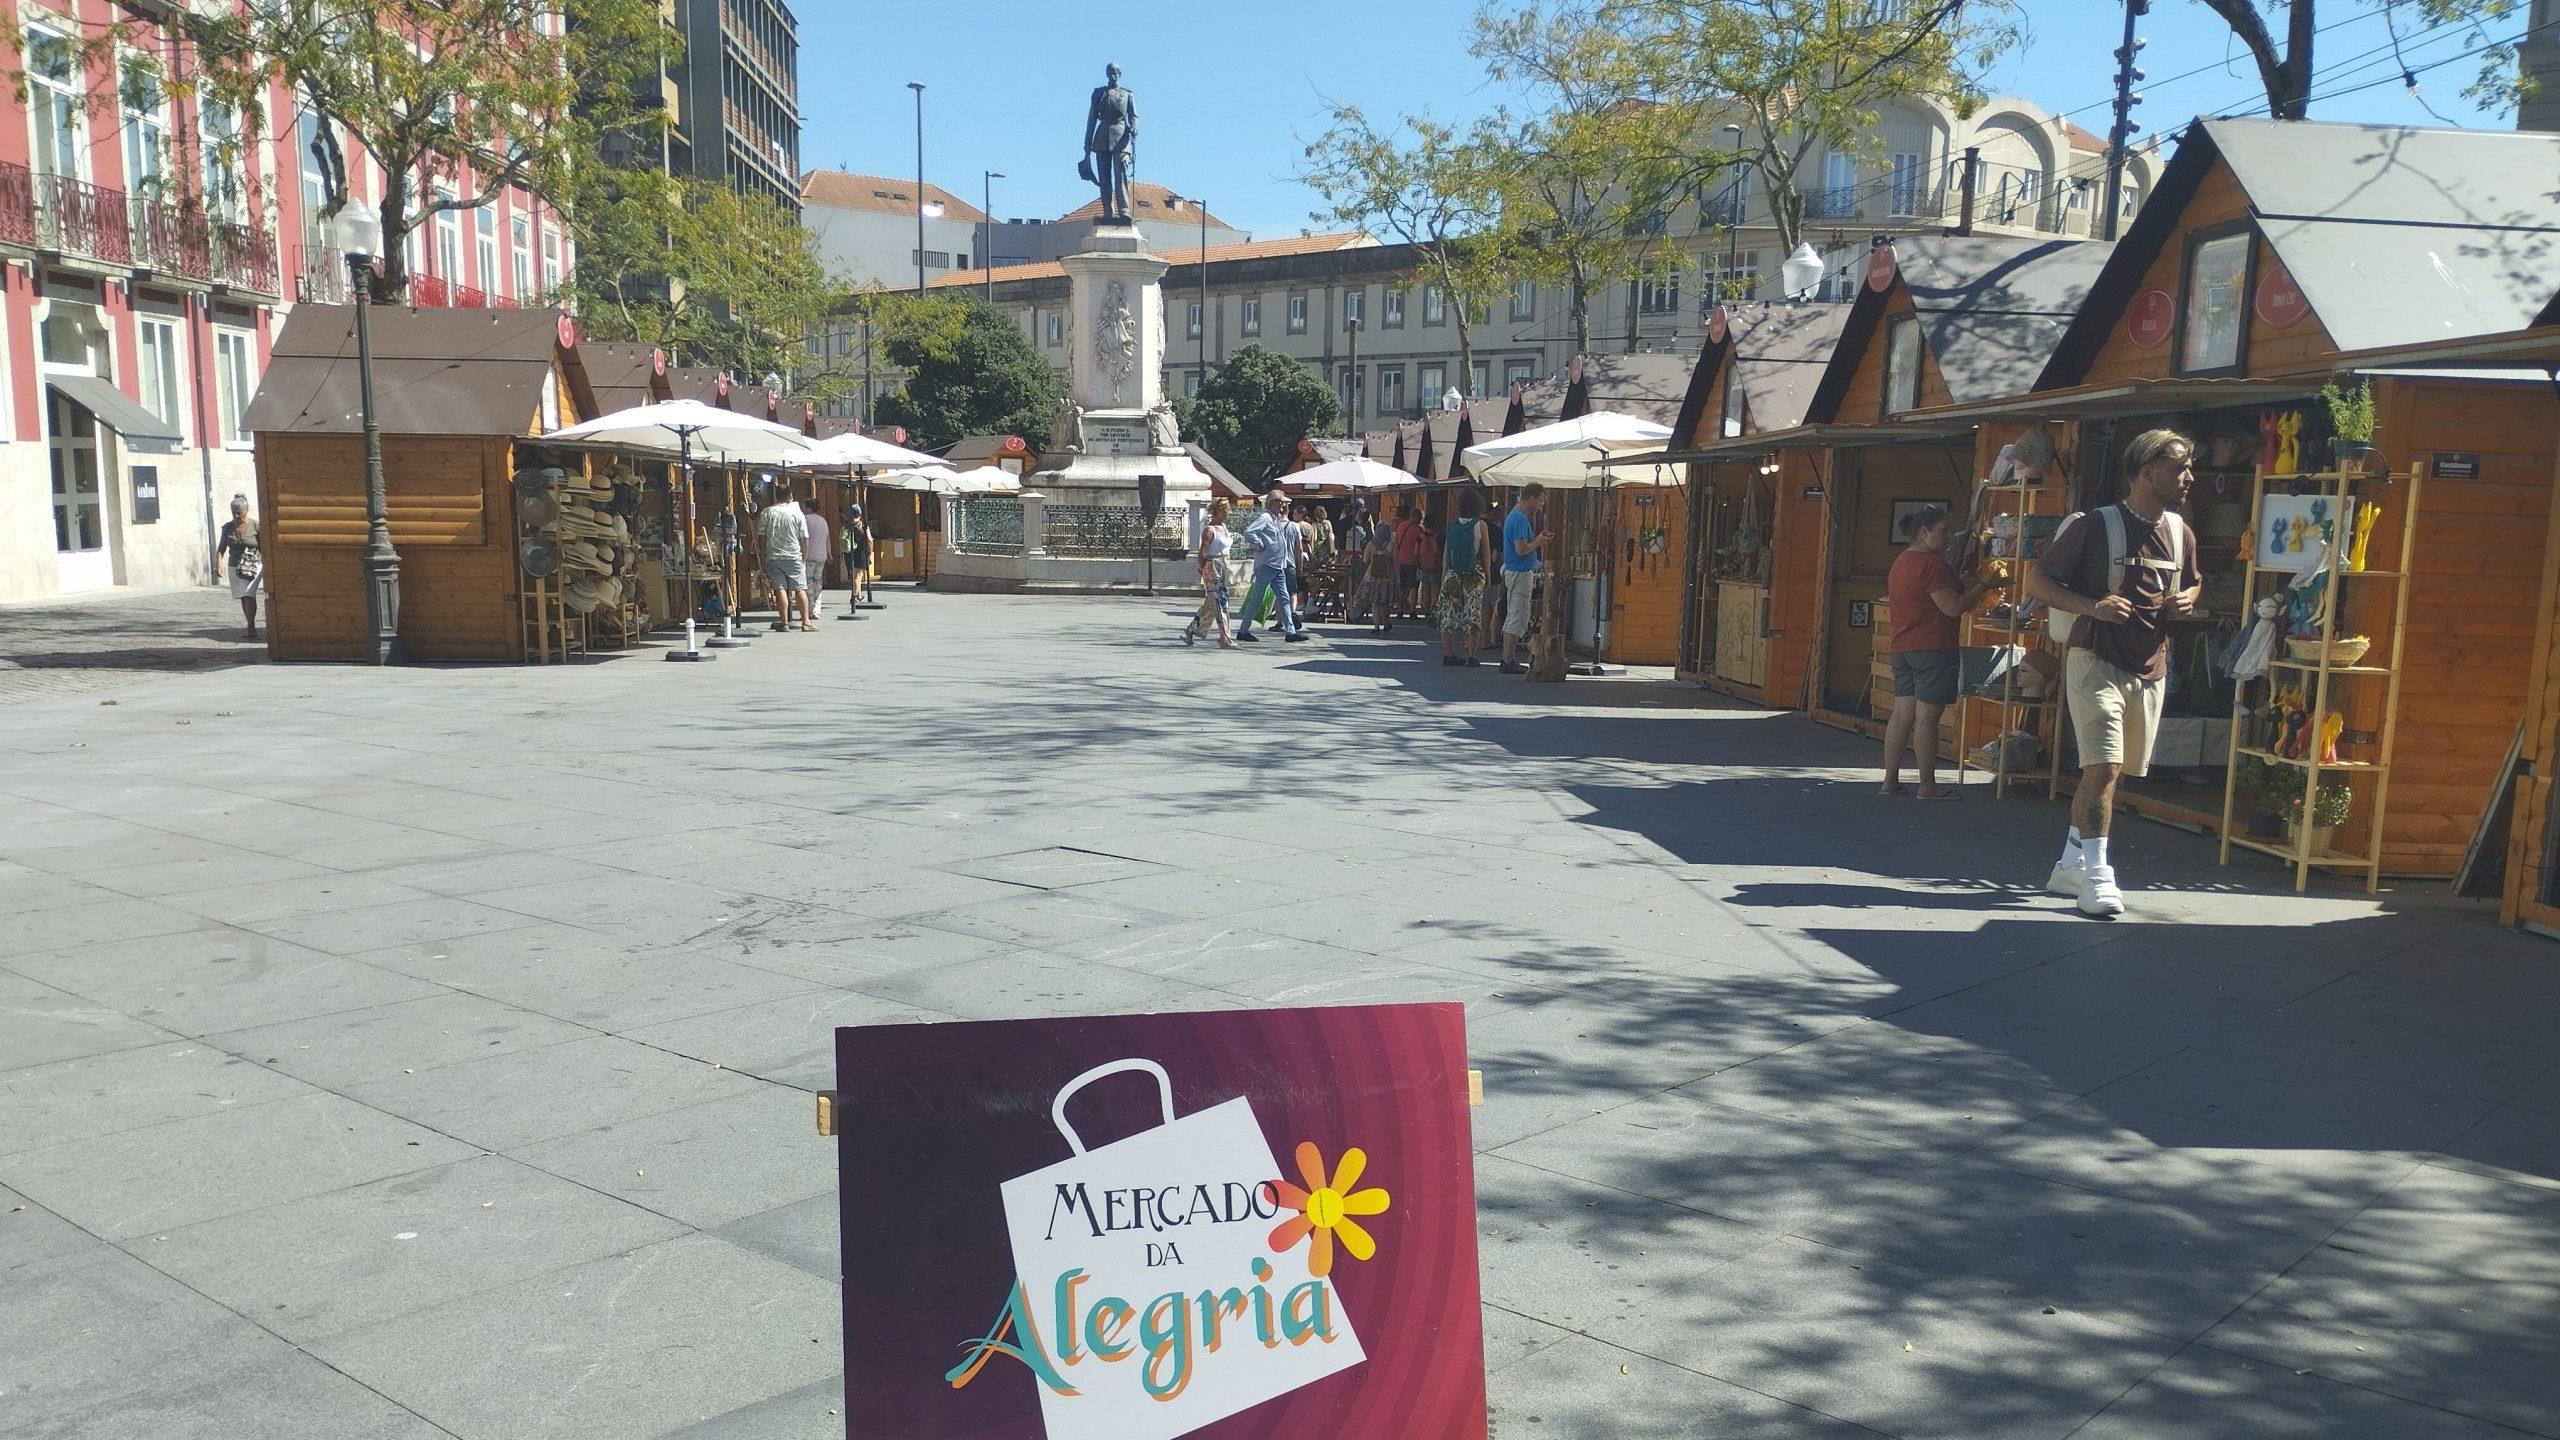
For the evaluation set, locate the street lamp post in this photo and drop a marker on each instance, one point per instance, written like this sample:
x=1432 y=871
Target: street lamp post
x=1351 y=385
x=1733 y=210
x=918 y=87
x=359 y=236
x=987 y=240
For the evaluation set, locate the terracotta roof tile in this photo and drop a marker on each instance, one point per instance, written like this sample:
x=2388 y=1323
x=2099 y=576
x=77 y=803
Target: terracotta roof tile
x=843 y=190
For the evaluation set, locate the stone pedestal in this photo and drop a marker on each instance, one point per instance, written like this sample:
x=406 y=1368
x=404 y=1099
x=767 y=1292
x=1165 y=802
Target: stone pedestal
x=1122 y=426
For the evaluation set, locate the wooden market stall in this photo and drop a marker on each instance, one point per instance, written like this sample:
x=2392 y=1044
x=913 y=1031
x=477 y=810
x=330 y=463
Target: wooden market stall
x=1747 y=516
x=2272 y=259
x=456 y=393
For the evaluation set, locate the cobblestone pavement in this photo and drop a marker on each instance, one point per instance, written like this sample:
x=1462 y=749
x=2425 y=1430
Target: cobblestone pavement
x=82 y=643
x=427 y=1053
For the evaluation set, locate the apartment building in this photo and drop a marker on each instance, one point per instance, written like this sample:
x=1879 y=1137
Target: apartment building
x=148 y=246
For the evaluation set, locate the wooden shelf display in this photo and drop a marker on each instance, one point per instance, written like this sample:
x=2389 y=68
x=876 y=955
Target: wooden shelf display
x=2325 y=684
x=2019 y=520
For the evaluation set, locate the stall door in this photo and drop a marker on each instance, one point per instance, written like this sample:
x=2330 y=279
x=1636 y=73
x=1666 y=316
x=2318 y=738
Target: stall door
x=83 y=561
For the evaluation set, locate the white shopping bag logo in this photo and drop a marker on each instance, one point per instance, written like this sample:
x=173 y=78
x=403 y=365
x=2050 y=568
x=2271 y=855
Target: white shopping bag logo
x=1150 y=1298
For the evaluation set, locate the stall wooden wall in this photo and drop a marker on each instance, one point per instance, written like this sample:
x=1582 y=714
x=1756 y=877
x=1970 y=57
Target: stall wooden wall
x=2474 y=603
x=1869 y=479
x=1862 y=400
x=451 y=518
x=2265 y=350
x=1647 y=591
x=1802 y=541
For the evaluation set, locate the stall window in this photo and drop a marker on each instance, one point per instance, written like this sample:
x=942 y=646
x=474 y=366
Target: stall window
x=1733 y=404
x=1902 y=365
x=2215 y=300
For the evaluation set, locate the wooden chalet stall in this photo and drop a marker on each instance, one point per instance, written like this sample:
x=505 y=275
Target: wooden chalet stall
x=456 y=391
x=1942 y=318
x=625 y=375
x=2270 y=259
x=1639 y=523
x=1753 y=534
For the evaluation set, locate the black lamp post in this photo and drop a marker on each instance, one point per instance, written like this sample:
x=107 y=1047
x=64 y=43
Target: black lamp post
x=359 y=235
x=918 y=87
x=987 y=242
x=1733 y=211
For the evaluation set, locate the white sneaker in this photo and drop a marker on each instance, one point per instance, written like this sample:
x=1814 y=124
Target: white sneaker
x=2065 y=880
x=2098 y=892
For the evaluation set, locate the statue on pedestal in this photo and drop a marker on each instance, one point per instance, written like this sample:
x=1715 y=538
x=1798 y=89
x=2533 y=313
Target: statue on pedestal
x=1111 y=145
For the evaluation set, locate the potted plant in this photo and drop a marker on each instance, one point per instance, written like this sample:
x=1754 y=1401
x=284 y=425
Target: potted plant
x=2350 y=426
x=2256 y=798
x=2329 y=806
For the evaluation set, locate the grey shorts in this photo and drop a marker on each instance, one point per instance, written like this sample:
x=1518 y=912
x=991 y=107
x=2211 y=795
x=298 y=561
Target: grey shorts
x=1928 y=676
x=787 y=574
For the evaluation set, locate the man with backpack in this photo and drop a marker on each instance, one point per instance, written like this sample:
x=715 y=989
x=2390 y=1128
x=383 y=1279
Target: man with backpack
x=2117 y=576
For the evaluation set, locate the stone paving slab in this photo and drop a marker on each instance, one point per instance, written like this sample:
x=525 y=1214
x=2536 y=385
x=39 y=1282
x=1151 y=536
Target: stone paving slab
x=1782 y=1078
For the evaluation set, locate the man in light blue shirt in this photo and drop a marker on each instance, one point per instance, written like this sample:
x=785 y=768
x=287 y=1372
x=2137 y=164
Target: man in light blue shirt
x=1273 y=538
x=1524 y=543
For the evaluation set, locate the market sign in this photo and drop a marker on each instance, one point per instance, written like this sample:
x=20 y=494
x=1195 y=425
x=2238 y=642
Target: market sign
x=2454 y=465
x=2280 y=301
x=1241 y=1225
x=1880 y=268
x=2149 y=319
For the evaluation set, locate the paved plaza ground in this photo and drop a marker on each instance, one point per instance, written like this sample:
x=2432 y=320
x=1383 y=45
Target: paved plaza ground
x=427 y=1052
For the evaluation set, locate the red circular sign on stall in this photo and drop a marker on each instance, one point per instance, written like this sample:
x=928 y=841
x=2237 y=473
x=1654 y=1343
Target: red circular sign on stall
x=720 y=388
x=1880 y=268
x=2148 y=320
x=657 y=360
x=568 y=331
x=1719 y=325
x=1013 y=445
x=2280 y=301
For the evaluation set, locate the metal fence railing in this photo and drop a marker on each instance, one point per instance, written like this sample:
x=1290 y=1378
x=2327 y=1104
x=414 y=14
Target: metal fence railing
x=985 y=525
x=1109 y=532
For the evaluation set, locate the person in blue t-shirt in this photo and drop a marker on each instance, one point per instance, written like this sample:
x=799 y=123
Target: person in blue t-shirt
x=1524 y=544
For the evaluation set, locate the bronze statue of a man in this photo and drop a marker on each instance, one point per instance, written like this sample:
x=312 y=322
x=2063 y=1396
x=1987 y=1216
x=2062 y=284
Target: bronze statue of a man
x=1111 y=145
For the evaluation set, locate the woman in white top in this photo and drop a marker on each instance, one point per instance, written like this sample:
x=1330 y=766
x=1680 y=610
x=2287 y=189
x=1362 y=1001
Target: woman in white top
x=1215 y=540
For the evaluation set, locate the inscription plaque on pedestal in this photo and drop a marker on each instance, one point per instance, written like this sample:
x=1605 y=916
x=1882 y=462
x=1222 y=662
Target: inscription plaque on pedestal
x=1115 y=437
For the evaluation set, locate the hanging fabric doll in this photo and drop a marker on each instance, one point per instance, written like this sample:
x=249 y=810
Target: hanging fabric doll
x=2260 y=646
x=2269 y=442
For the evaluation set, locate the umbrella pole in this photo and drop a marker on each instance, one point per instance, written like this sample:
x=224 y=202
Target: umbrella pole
x=852 y=588
x=684 y=471
x=729 y=638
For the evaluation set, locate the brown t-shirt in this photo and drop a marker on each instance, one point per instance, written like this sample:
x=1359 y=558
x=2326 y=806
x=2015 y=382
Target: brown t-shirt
x=2077 y=559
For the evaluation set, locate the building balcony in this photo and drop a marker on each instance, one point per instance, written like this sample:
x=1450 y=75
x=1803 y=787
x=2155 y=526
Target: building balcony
x=1839 y=203
x=429 y=292
x=169 y=241
x=244 y=258
x=17 y=206
x=85 y=221
x=320 y=275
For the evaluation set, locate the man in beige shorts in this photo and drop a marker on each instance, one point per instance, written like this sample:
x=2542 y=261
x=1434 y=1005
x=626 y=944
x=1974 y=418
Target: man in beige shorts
x=2124 y=571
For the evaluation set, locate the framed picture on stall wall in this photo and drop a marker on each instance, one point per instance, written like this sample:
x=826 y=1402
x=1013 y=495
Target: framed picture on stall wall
x=1904 y=512
x=2213 y=305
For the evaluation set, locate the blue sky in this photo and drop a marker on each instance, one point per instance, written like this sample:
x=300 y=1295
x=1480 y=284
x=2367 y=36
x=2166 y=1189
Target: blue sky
x=1229 y=92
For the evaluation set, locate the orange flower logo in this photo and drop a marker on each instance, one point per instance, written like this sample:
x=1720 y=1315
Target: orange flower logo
x=1326 y=1209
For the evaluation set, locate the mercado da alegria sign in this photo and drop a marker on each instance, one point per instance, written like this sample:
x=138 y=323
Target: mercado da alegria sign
x=1238 y=1225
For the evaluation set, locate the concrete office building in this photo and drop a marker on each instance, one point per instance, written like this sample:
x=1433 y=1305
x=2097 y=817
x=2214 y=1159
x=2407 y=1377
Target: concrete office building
x=731 y=93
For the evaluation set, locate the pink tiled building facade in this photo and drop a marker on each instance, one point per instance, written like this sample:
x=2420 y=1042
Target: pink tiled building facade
x=149 y=247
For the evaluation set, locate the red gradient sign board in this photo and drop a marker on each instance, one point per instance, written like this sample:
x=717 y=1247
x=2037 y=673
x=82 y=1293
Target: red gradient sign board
x=1237 y=1225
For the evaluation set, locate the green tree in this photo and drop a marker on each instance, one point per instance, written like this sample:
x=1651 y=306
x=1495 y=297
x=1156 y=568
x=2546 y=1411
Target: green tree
x=1252 y=413
x=2284 y=67
x=1434 y=188
x=1647 y=83
x=454 y=100
x=720 y=279
x=971 y=371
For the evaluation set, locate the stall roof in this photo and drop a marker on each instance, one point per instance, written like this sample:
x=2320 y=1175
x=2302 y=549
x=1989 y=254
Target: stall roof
x=1801 y=437
x=1647 y=386
x=436 y=372
x=1991 y=308
x=1777 y=351
x=619 y=371
x=2123 y=397
x=972 y=450
x=1219 y=475
x=2397 y=235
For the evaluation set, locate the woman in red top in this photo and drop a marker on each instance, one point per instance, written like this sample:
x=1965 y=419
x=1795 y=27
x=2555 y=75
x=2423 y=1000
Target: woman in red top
x=1927 y=602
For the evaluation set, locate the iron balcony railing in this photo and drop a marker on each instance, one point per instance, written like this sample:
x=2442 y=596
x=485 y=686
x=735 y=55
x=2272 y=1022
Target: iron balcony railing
x=1109 y=532
x=170 y=241
x=429 y=291
x=78 y=218
x=320 y=274
x=17 y=206
x=244 y=258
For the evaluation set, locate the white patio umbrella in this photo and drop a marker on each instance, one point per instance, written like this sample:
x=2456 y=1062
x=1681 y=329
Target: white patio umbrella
x=985 y=480
x=677 y=428
x=1356 y=473
x=850 y=451
x=1559 y=456
x=922 y=477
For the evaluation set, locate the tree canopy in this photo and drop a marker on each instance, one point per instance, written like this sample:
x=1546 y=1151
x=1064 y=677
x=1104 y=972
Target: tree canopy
x=2285 y=66
x=971 y=371
x=1254 y=410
